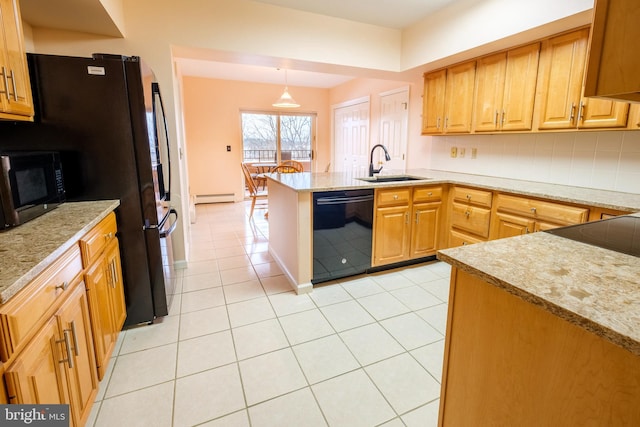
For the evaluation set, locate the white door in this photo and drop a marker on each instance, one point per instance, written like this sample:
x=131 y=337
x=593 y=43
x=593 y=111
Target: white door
x=394 y=121
x=351 y=138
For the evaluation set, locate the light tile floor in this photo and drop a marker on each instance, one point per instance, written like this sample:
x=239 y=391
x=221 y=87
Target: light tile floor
x=240 y=348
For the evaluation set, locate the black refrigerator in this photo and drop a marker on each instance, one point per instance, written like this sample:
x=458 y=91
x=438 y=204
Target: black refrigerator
x=105 y=115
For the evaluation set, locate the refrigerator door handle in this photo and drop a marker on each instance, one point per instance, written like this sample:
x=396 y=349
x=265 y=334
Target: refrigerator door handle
x=165 y=233
x=155 y=88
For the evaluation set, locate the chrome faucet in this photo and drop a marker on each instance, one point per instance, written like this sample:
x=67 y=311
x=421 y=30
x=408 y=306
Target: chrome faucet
x=386 y=156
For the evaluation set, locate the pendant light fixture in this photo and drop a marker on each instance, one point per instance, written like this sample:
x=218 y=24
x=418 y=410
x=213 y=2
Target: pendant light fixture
x=286 y=100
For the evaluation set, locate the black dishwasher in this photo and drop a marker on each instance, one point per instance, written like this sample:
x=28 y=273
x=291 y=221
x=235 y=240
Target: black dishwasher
x=342 y=233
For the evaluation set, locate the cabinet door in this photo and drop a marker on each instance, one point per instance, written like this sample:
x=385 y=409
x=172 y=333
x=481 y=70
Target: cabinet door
x=490 y=78
x=74 y=324
x=602 y=113
x=433 y=102
x=37 y=375
x=98 y=291
x=391 y=235
x=15 y=88
x=510 y=225
x=118 y=307
x=458 y=102
x=424 y=233
x=561 y=73
x=521 y=76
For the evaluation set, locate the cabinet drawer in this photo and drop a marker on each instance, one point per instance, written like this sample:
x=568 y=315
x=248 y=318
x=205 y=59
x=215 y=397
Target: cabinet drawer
x=397 y=196
x=457 y=238
x=94 y=242
x=22 y=314
x=471 y=218
x=427 y=194
x=538 y=209
x=473 y=196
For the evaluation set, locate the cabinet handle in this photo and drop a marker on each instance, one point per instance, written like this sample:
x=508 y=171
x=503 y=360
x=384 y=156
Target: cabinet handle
x=464 y=243
x=533 y=210
x=581 y=111
x=6 y=83
x=503 y=117
x=13 y=83
x=406 y=218
x=67 y=344
x=467 y=214
x=395 y=197
x=438 y=123
x=430 y=194
x=63 y=286
x=446 y=122
x=526 y=230
x=495 y=120
x=417 y=217
x=108 y=236
x=114 y=275
x=573 y=112
x=468 y=196
x=75 y=338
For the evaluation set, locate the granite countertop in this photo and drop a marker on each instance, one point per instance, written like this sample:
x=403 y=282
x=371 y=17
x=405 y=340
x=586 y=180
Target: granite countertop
x=25 y=251
x=313 y=182
x=594 y=288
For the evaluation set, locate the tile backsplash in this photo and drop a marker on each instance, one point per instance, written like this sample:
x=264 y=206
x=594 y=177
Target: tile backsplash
x=604 y=160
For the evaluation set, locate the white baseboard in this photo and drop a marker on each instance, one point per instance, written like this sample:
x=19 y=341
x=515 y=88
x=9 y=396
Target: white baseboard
x=215 y=198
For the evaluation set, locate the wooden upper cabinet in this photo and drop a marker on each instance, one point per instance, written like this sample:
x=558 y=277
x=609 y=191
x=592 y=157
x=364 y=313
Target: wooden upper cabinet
x=458 y=98
x=600 y=113
x=561 y=70
x=15 y=89
x=433 y=102
x=614 y=64
x=505 y=90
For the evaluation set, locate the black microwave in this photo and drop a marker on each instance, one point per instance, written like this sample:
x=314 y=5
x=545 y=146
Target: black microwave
x=31 y=184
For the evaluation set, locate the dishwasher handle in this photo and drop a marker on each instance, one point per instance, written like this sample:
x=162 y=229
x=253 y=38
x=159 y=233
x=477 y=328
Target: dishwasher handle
x=343 y=200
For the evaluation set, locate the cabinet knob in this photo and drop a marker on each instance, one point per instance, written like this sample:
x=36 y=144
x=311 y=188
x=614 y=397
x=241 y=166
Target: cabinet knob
x=63 y=286
x=468 y=196
x=430 y=194
x=395 y=197
x=533 y=210
x=467 y=214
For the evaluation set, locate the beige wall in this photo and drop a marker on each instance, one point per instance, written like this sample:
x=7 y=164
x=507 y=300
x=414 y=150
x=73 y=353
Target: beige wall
x=212 y=121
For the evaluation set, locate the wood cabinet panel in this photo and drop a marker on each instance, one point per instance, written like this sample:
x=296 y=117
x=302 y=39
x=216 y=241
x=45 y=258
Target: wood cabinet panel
x=456 y=238
x=602 y=113
x=490 y=76
x=425 y=229
x=392 y=235
x=433 y=102
x=473 y=219
x=21 y=315
x=520 y=358
x=15 y=90
x=512 y=225
x=458 y=97
x=614 y=65
x=395 y=196
x=93 y=243
x=561 y=72
x=542 y=210
x=472 y=195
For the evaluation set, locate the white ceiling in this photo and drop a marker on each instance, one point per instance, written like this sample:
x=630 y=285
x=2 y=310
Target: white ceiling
x=385 y=13
x=90 y=16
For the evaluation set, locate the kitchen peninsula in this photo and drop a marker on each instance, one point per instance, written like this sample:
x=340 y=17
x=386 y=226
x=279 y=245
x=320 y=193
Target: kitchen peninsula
x=290 y=206
x=535 y=321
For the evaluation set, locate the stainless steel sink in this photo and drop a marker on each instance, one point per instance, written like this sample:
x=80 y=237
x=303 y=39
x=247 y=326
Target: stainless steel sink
x=392 y=178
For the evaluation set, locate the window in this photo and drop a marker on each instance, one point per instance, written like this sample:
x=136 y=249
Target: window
x=273 y=137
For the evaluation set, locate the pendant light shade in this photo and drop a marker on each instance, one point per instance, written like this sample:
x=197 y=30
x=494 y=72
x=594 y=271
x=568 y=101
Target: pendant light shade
x=286 y=100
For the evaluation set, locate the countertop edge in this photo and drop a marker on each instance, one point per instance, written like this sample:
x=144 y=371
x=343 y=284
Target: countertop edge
x=606 y=199
x=104 y=207
x=582 y=322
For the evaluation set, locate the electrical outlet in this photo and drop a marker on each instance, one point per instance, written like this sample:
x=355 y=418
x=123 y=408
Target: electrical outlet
x=454 y=152
x=462 y=152
x=474 y=153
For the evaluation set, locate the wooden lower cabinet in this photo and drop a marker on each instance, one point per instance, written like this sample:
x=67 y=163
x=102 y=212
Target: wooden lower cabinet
x=58 y=365
x=106 y=303
x=470 y=216
x=511 y=363
x=406 y=224
x=516 y=215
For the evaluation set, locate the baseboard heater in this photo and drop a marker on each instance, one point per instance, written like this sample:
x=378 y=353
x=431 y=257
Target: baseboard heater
x=215 y=198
